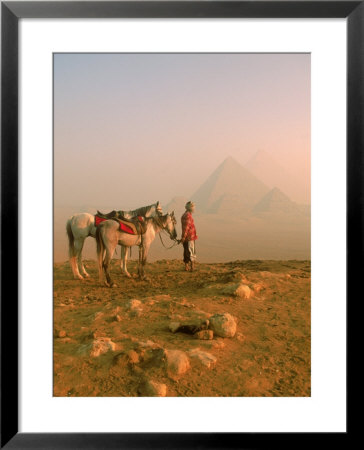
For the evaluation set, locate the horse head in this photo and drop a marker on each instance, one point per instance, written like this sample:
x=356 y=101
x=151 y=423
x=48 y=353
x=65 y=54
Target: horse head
x=170 y=225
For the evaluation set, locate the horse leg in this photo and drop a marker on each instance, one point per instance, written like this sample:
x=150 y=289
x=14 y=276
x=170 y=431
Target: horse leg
x=123 y=261
x=79 y=259
x=76 y=258
x=140 y=273
x=108 y=257
x=144 y=254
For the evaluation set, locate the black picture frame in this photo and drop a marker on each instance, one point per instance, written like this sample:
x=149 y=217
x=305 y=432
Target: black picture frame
x=11 y=12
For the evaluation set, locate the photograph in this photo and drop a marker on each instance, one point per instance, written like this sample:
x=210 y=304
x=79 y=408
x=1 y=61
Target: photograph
x=181 y=224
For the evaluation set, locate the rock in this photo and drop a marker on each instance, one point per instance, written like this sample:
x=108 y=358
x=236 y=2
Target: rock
x=218 y=344
x=243 y=291
x=258 y=287
x=62 y=334
x=223 y=325
x=133 y=357
x=148 y=344
x=206 y=359
x=240 y=337
x=204 y=334
x=173 y=326
x=118 y=318
x=153 y=357
x=152 y=388
x=177 y=362
x=135 y=307
x=134 y=304
x=100 y=346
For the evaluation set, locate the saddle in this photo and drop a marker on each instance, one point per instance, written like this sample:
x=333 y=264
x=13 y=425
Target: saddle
x=135 y=226
x=111 y=215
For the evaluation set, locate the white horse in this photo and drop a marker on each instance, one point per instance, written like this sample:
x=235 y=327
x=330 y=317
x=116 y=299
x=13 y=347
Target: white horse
x=82 y=225
x=108 y=236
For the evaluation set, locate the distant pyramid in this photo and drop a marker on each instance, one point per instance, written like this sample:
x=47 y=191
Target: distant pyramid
x=230 y=188
x=267 y=169
x=276 y=201
x=177 y=204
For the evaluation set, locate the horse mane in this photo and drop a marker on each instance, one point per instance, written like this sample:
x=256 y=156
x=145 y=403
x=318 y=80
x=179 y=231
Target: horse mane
x=142 y=211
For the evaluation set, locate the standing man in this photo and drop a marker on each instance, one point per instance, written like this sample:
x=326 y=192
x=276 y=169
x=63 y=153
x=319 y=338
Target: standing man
x=188 y=237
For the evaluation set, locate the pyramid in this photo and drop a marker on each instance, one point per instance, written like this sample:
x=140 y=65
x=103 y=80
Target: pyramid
x=230 y=188
x=177 y=204
x=276 y=201
x=267 y=169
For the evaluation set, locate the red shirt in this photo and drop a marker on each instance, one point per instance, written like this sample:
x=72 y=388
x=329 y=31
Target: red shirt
x=188 y=227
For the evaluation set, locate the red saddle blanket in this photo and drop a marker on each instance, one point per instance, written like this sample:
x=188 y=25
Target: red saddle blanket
x=130 y=229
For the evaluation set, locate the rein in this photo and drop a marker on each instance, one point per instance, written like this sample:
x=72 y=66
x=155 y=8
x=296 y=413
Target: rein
x=173 y=245
x=160 y=224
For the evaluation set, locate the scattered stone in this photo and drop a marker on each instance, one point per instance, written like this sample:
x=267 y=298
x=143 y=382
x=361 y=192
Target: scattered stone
x=218 y=344
x=204 y=335
x=134 y=304
x=153 y=357
x=100 y=346
x=240 y=337
x=62 y=334
x=177 y=362
x=148 y=344
x=243 y=291
x=152 y=388
x=133 y=357
x=118 y=318
x=202 y=357
x=223 y=325
x=258 y=287
x=135 y=307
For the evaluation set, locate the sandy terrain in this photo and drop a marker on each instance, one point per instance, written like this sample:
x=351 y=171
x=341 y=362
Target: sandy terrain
x=108 y=344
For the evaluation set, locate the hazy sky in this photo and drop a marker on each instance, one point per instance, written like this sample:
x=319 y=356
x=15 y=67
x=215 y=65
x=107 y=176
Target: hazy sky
x=130 y=129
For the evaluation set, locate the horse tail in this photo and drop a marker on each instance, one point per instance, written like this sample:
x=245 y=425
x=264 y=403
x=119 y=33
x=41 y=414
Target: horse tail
x=100 y=250
x=71 y=239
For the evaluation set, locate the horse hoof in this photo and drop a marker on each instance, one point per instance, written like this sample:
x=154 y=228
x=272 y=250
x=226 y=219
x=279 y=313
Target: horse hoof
x=127 y=275
x=86 y=275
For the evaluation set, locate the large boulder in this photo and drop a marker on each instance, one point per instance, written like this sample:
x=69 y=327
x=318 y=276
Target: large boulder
x=177 y=362
x=223 y=325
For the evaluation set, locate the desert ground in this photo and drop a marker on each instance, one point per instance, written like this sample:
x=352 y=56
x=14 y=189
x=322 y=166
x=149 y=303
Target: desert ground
x=251 y=320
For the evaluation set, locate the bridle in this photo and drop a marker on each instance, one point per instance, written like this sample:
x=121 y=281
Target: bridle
x=161 y=225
